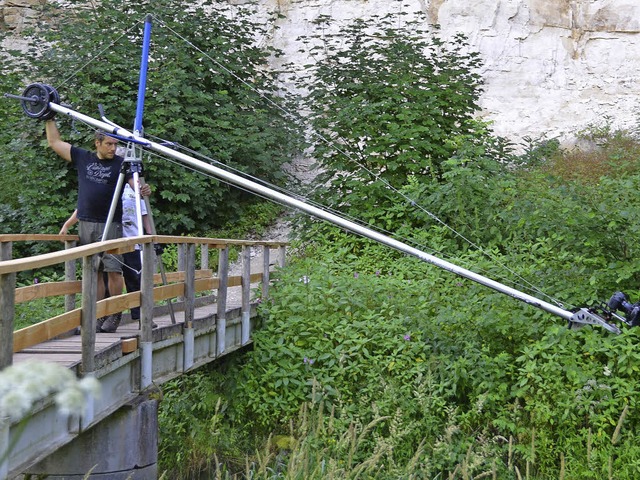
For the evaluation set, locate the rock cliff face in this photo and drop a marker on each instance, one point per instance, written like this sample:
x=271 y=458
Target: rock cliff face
x=550 y=66
x=16 y=14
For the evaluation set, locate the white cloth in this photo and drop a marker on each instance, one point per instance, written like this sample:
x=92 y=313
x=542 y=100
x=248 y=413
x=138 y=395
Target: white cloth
x=129 y=219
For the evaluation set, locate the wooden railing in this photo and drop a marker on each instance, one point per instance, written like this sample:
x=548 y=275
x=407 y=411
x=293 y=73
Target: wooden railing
x=184 y=284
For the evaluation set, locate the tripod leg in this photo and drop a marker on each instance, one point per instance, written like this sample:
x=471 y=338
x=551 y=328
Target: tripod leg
x=163 y=274
x=114 y=204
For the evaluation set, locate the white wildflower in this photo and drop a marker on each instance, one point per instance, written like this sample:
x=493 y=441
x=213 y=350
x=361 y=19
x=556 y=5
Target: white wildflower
x=71 y=400
x=90 y=385
x=14 y=404
x=607 y=371
x=25 y=383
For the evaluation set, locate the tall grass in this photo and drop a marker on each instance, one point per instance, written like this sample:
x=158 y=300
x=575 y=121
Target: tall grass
x=318 y=446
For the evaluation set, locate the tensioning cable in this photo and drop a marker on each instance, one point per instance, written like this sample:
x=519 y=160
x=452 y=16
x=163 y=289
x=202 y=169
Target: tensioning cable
x=325 y=208
x=374 y=175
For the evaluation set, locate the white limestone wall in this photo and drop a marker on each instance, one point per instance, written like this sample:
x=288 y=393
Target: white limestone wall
x=551 y=66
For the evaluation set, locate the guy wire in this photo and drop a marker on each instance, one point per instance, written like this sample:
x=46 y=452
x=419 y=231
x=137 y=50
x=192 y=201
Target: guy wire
x=328 y=142
x=332 y=144
x=92 y=59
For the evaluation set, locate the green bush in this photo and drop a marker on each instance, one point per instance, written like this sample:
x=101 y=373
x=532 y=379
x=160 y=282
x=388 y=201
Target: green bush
x=419 y=367
x=194 y=431
x=208 y=92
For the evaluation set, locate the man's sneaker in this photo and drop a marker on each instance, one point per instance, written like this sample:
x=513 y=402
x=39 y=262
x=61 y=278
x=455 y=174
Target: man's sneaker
x=112 y=323
x=99 y=322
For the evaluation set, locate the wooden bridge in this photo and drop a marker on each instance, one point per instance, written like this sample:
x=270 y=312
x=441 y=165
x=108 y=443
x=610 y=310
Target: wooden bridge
x=201 y=313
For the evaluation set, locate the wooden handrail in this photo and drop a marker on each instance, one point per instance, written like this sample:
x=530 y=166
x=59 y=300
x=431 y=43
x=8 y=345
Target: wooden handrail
x=29 y=237
x=120 y=245
x=202 y=279
x=37 y=237
x=51 y=289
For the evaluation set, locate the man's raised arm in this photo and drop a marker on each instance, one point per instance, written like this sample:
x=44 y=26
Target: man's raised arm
x=59 y=146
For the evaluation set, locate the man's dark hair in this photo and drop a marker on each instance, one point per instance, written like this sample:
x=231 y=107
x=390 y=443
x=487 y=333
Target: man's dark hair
x=100 y=135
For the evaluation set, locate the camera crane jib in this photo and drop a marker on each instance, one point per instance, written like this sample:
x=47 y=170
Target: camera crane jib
x=42 y=101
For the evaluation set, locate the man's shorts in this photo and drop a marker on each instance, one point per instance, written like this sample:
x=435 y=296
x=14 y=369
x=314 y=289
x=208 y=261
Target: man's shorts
x=90 y=232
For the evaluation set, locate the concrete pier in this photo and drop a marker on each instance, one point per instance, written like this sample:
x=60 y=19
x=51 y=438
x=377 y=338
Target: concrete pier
x=123 y=446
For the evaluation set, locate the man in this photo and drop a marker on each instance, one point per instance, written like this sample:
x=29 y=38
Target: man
x=132 y=261
x=97 y=180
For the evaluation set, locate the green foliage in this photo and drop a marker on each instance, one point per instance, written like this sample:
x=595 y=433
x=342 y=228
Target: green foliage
x=401 y=353
x=422 y=378
x=445 y=363
x=191 y=428
x=360 y=323
x=35 y=311
x=483 y=384
x=370 y=363
x=34 y=197
x=208 y=90
x=396 y=95
x=253 y=223
x=399 y=106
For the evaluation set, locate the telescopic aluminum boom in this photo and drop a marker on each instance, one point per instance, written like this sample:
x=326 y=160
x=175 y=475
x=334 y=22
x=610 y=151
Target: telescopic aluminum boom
x=314 y=211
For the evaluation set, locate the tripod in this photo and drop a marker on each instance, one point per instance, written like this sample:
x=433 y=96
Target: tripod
x=132 y=165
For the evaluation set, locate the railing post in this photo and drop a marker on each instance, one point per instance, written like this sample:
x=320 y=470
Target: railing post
x=7 y=309
x=4 y=449
x=181 y=264
x=88 y=320
x=204 y=256
x=282 y=258
x=221 y=317
x=146 y=315
x=88 y=327
x=265 y=271
x=246 y=293
x=69 y=276
x=189 y=305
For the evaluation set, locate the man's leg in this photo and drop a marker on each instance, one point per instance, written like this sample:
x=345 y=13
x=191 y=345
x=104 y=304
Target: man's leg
x=116 y=285
x=113 y=267
x=103 y=291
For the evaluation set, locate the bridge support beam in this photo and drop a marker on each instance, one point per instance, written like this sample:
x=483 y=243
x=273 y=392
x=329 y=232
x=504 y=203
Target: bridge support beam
x=123 y=446
x=7 y=309
x=189 y=307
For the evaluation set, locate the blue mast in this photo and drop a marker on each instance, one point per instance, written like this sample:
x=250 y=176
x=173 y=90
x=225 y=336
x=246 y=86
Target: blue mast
x=134 y=152
x=142 y=83
x=133 y=155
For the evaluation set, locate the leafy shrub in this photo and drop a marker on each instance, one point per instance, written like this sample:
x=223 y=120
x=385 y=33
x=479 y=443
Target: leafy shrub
x=208 y=91
x=35 y=311
x=192 y=431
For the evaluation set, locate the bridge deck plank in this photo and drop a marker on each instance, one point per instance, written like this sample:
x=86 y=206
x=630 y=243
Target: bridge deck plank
x=67 y=350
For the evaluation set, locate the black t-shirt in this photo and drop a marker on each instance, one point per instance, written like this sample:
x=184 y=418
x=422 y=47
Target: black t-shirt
x=97 y=181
